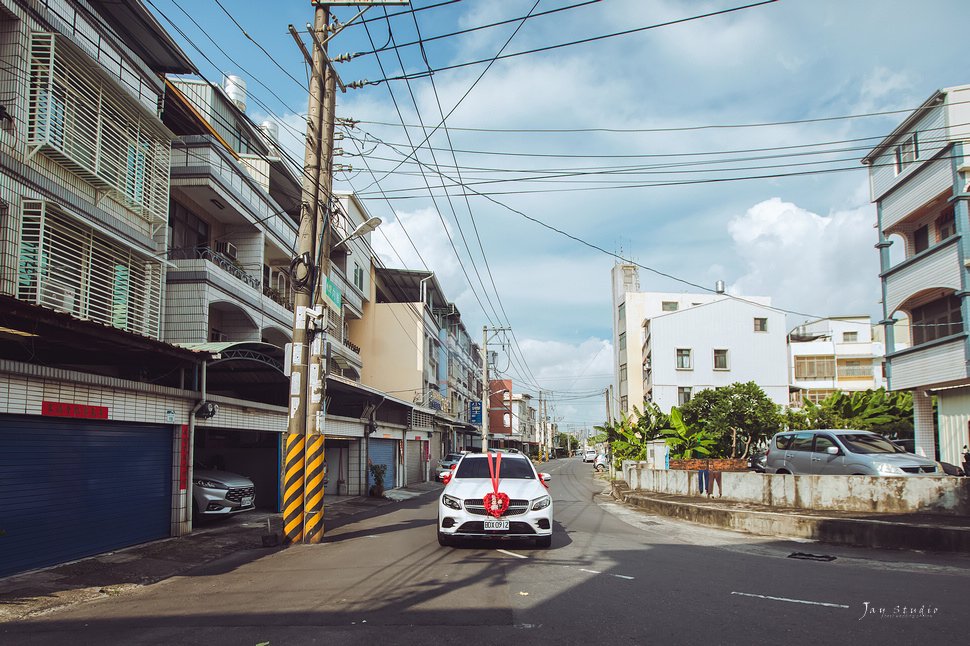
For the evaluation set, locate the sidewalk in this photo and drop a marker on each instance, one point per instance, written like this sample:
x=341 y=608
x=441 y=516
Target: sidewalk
x=113 y=573
x=921 y=531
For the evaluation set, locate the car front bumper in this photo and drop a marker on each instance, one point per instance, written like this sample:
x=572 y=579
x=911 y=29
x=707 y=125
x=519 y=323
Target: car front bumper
x=463 y=524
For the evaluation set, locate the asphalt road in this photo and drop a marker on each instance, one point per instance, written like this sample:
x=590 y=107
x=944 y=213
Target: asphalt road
x=613 y=575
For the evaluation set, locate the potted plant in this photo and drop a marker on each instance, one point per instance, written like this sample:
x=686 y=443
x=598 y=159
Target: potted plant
x=377 y=472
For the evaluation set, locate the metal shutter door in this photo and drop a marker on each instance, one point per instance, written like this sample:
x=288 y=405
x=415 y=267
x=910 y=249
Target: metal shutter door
x=415 y=465
x=73 y=488
x=384 y=452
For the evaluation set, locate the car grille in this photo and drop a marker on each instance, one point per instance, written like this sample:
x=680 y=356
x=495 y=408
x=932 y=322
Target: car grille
x=478 y=527
x=923 y=469
x=236 y=494
x=476 y=506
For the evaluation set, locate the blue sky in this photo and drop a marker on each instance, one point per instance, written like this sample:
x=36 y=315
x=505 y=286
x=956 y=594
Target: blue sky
x=658 y=142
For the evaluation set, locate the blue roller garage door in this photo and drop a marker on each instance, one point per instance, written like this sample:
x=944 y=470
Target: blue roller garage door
x=73 y=488
x=383 y=452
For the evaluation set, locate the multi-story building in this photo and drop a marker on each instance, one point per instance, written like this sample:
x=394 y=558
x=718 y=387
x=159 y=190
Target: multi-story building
x=669 y=346
x=524 y=430
x=918 y=179
x=838 y=354
x=90 y=393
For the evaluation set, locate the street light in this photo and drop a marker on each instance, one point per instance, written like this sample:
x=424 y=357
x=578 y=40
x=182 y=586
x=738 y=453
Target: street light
x=363 y=228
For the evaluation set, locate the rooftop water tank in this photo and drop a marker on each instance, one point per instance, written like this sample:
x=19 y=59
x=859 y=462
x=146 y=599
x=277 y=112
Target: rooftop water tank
x=235 y=88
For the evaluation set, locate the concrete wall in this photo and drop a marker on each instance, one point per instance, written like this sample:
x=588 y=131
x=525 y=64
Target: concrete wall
x=839 y=493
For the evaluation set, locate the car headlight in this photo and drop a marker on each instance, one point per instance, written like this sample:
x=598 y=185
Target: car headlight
x=208 y=484
x=541 y=503
x=889 y=469
x=451 y=502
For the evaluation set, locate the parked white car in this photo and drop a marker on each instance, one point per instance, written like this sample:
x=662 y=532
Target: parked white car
x=461 y=507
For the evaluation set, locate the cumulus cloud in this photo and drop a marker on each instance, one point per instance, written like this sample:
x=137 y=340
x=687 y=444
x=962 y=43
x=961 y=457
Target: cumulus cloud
x=819 y=265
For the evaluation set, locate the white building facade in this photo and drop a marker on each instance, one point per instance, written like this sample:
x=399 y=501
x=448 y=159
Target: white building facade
x=838 y=354
x=918 y=178
x=670 y=346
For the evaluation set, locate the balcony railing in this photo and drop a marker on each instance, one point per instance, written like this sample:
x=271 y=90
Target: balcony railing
x=275 y=295
x=224 y=262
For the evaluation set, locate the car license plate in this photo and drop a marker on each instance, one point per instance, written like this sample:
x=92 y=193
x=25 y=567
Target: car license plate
x=247 y=501
x=497 y=525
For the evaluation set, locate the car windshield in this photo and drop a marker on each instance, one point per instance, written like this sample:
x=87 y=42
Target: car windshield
x=866 y=443
x=515 y=468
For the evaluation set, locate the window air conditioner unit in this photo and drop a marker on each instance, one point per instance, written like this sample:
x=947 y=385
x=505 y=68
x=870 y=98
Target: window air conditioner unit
x=226 y=249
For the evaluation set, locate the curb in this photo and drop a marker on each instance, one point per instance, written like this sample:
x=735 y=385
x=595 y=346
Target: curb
x=839 y=530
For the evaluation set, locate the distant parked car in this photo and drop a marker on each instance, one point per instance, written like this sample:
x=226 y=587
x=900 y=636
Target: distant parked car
x=221 y=493
x=589 y=455
x=601 y=463
x=756 y=461
x=843 y=452
x=446 y=464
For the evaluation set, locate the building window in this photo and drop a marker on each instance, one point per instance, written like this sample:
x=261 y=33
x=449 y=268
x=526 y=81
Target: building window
x=623 y=373
x=906 y=153
x=359 y=276
x=855 y=368
x=622 y=343
x=850 y=337
x=623 y=402
x=684 y=359
x=946 y=224
x=621 y=312
x=721 y=360
x=760 y=325
x=921 y=239
x=936 y=320
x=683 y=395
x=669 y=306
x=815 y=367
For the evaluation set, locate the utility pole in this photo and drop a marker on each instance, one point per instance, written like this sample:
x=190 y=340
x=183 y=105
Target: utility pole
x=304 y=279
x=303 y=470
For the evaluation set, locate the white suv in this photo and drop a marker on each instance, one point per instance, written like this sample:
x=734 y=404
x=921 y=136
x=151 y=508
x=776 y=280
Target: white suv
x=590 y=455
x=461 y=507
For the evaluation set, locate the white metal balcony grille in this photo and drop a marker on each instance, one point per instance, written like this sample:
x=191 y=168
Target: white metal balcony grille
x=81 y=119
x=69 y=267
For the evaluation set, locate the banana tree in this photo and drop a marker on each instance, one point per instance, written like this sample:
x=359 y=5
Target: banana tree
x=686 y=442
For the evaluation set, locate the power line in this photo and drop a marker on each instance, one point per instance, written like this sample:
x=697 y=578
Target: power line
x=572 y=43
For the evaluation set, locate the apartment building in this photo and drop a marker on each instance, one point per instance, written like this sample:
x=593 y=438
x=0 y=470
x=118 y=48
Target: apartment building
x=88 y=390
x=918 y=178
x=669 y=346
x=524 y=422
x=837 y=354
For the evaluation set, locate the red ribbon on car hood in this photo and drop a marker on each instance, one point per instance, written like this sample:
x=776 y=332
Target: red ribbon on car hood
x=496 y=503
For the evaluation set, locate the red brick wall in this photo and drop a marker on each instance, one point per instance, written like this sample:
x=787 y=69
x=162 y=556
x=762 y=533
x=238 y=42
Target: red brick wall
x=716 y=464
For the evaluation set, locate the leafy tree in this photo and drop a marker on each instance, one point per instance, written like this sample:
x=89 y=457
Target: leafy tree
x=686 y=442
x=627 y=437
x=738 y=416
x=885 y=412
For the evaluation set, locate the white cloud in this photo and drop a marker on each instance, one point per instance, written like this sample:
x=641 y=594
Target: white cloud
x=819 y=265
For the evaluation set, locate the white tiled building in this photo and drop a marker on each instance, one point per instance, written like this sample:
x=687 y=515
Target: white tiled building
x=838 y=354
x=670 y=346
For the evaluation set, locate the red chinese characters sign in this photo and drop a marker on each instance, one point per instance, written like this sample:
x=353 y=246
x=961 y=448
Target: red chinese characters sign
x=64 y=409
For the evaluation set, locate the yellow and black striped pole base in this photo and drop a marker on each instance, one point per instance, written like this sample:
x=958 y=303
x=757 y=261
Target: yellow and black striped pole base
x=293 y=470
x=313 y=515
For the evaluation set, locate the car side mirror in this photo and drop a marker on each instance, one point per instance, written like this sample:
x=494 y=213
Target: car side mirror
x=832 y=450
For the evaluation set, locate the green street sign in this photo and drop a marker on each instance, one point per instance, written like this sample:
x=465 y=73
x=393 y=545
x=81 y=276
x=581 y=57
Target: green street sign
x=334 y=296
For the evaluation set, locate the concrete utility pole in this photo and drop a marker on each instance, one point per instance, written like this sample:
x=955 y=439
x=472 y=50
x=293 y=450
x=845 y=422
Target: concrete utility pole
x=304 y=279
x=303 y=471
x=486 y=387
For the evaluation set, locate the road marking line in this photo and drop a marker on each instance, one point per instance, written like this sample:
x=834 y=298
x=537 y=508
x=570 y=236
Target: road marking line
x=518 y=556
x=811 y=603
x=590 y=571
x=620 y=576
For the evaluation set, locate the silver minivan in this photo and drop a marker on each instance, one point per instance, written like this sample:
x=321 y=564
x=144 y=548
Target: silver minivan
x=843 y=452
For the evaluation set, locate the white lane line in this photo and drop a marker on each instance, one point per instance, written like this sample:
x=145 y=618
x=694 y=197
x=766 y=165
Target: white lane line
x=811 y=603
x=590 y=571
x=518 y=556
x=620 y=576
